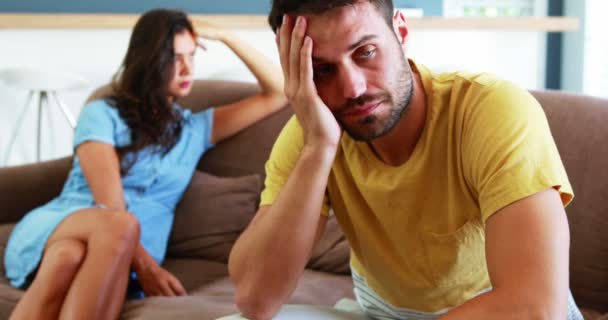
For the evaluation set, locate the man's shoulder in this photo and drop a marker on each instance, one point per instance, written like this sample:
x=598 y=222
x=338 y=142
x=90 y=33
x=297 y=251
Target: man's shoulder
x=290 y=140
x=466 y=80
x=469 y=87
x=292 y=128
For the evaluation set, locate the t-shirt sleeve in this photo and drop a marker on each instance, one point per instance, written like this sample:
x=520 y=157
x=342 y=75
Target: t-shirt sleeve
x=97 y=122
x=283 y=158
x=204 y=124
x=508 y=150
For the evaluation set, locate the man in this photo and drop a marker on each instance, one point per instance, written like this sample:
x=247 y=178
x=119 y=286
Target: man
x=449 y=187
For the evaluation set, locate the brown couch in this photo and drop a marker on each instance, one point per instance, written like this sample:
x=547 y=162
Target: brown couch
x=218 y=205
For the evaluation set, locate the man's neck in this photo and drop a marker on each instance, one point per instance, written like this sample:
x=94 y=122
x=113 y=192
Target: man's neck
x=396 y=147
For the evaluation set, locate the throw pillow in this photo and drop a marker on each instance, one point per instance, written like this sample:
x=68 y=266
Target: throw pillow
x=212 y=214
x=332 y=253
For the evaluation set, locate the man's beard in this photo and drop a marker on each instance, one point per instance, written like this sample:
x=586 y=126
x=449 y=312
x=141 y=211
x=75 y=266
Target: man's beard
x=398 y=98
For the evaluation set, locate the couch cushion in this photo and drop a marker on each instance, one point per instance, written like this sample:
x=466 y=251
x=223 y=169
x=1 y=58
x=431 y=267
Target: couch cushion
x=214 y=299
x=194 y=273
x=26 y=187
x=247 y=151
x=313 y=287
x=186 y=308
x=332 y=253
x=5 y=232
x=8 y=295
x=8 y=299
x=212 y=214
x=578 y=124
x=593 y=315
x=321 y=288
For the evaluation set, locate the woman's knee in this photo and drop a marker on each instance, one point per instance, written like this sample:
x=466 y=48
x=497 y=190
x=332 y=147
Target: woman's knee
x=65 y=255
x=120 y=228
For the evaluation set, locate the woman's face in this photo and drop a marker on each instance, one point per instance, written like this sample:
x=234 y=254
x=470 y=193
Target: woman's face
x=184 y=47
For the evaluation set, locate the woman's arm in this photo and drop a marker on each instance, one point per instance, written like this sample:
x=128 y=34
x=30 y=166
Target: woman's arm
x=232 y=118
x=101 y=168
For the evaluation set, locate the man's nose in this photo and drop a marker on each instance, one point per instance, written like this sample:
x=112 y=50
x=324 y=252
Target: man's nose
x=352 y=80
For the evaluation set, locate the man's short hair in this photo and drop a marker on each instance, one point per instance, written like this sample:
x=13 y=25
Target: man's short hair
x=299 y=7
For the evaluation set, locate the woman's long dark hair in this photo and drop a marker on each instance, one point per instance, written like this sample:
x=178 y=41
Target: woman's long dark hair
x=141 y=85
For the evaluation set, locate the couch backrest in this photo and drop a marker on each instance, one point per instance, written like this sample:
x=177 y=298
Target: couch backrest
x=579 y=125
x=247 y=151
x=205 y=93
x=240 y=154
x=25 y=187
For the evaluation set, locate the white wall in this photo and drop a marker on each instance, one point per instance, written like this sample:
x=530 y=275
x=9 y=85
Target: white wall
x=97 y=54
x=584 y=64
x=595 y=70
x=573 y=48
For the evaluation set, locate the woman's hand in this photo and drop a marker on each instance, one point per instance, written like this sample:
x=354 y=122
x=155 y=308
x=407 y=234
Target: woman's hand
x=157 y=281
x=208 y=31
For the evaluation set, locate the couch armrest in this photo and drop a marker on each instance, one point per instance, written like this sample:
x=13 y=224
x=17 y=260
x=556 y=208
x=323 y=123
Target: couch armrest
x=25 y=187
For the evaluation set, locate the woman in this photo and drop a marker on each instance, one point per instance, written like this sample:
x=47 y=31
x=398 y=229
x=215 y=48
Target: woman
x=135 y=153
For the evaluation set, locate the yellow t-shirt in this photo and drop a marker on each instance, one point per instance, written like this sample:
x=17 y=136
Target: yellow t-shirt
x=417 y=230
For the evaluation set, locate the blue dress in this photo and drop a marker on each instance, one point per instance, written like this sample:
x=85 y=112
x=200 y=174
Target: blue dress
x=152 y=189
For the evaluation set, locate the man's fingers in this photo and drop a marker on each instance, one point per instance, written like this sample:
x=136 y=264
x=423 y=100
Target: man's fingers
x=284 y=37
x=306 y=71
x=297 y=36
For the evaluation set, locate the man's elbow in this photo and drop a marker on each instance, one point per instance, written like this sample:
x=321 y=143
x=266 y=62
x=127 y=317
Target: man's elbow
x=543 y=310
x=251 y=298
x=544 y=314
x=526 y=303
x=256 y=305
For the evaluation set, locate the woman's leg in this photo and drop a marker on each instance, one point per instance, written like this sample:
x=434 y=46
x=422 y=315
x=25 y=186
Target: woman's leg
x=99 y=288
x=110 y=238
x=44 y=298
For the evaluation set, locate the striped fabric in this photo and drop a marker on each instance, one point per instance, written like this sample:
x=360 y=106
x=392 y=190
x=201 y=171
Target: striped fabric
x=375 y=307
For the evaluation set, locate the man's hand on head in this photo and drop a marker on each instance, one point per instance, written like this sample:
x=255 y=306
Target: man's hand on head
x=320 y=127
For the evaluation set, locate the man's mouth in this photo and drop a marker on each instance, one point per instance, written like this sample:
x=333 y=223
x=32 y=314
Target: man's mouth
x=361 y=110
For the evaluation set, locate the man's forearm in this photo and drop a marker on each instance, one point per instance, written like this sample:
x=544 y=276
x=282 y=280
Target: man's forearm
x=500 y=305
x=268 y=258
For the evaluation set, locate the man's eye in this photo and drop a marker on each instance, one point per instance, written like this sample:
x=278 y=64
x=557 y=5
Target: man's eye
x=367 y=53
x=322 y=70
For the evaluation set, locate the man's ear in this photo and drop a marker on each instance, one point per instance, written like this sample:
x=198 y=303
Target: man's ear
x=400 y=27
